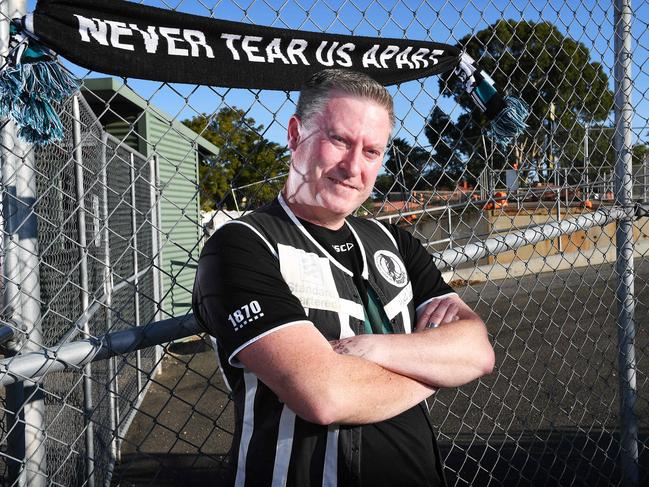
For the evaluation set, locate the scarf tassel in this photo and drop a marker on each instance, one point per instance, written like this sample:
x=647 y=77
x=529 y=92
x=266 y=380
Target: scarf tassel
x=510 y=122
x=30 y=89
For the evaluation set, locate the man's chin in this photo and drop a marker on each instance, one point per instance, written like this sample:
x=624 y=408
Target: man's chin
x=340 y=208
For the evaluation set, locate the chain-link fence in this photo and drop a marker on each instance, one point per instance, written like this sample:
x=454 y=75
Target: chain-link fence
x=96 y=211
x=105 y=379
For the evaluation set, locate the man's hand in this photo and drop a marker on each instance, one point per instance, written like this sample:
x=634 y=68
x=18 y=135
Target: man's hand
x=439 y=311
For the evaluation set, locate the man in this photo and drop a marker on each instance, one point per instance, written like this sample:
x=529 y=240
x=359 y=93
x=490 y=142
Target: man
x=332 y=330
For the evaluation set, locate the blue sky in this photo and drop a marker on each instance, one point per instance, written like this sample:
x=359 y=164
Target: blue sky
x=589 y=22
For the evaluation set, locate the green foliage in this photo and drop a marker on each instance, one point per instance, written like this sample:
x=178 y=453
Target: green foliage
x=406 y=169
x=409 y=168
x=247 y=163
x=535 y=62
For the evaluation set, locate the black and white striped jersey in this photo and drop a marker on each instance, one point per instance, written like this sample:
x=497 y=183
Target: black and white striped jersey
x=267 y=271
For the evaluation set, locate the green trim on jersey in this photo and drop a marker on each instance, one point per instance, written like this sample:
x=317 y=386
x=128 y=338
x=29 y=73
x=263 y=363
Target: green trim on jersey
x=376 y=321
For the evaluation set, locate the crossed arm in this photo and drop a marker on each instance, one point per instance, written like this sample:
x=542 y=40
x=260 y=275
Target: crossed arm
x=453 y=353
x=370 y=378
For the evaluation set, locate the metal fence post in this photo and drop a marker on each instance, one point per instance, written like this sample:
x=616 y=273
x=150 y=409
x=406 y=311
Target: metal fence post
x=108 y=292
x=11 y=300
x=22 y=294
x=83 y=282
x=138 y=359
x=645 y=179
x=450 y=229
x=557 y=183
x=624 y=236
x=15 y=422
x=29 y=314
x=158 y=210
x=155 y=246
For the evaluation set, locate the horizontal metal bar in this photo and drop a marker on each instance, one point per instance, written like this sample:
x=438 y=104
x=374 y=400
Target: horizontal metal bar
x=477 y=203
x=528 y=236
x=81 y=322
x=75 y=355
x=120 y=144
x=131 y=280
x=182 y=263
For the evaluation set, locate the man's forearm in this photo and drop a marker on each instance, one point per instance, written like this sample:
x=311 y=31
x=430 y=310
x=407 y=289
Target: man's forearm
x=324 y=387
x=448 y=356
x=364 y=392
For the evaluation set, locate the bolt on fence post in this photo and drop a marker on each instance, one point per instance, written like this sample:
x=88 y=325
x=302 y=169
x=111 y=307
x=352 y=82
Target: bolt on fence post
x=108 y=292
x=83 y=282
x=136 y=280
x=624 y=241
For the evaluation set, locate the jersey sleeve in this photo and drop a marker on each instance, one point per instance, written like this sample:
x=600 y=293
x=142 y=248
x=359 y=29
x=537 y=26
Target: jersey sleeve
x=426 y=279
x=239 y=294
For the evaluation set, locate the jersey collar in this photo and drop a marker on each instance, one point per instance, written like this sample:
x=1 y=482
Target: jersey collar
x=306 y=233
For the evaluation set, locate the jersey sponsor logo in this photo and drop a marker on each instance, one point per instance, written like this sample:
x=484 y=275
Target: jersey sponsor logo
x=343 y=247
x=309 y=278
x=391 y=268
x=245 y=314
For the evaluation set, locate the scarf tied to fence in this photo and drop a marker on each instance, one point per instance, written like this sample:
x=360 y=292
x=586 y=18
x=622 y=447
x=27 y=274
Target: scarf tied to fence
x=131 y=40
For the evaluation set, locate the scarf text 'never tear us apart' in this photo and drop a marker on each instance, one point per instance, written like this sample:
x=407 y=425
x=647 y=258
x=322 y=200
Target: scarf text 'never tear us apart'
x=254 y=49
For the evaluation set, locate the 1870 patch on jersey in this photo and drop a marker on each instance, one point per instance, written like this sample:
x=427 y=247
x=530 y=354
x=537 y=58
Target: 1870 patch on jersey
x=391 y=268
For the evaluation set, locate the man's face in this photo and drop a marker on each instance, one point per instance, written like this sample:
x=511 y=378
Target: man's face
x=336 y=157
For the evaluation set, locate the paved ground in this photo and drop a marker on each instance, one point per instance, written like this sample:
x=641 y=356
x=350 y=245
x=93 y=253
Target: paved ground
x=547 y=416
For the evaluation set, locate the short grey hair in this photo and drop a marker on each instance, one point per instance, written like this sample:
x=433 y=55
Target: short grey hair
x=315 y=93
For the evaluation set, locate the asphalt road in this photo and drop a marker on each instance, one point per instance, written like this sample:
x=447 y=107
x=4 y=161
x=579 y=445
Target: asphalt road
x=546 y=416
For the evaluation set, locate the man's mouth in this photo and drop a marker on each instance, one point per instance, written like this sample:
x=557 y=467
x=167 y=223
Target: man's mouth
x=341 y=183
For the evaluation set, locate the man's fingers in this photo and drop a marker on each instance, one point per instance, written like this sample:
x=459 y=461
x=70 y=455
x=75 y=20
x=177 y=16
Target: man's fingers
x=451 y=314
x=439 y=311
x=437 y=316
x=424 y=319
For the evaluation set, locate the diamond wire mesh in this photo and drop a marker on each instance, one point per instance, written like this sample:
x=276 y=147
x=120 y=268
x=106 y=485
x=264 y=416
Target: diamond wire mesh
x=61 y=284
x=548 y=413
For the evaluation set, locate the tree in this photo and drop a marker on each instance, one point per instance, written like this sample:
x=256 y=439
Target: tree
x=444 y=136
x=409 y=168
x=550 y=72
x=406 y=168
x=247 y=163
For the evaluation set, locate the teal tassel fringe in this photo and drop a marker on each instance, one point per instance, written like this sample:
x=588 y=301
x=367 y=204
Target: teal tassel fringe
x=28 y=94
x=510 y=122
x=10 y=86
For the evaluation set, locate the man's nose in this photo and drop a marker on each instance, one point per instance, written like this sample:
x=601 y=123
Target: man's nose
x=353 y=161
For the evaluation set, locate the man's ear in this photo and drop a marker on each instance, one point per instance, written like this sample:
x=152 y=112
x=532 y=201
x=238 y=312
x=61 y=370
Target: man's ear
x=294 y=127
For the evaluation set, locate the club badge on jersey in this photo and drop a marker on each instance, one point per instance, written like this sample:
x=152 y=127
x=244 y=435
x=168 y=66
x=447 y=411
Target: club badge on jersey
x=391 y=268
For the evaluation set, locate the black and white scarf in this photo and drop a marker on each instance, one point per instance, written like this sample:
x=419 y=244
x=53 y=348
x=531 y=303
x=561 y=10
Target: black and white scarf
x=137 y=41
